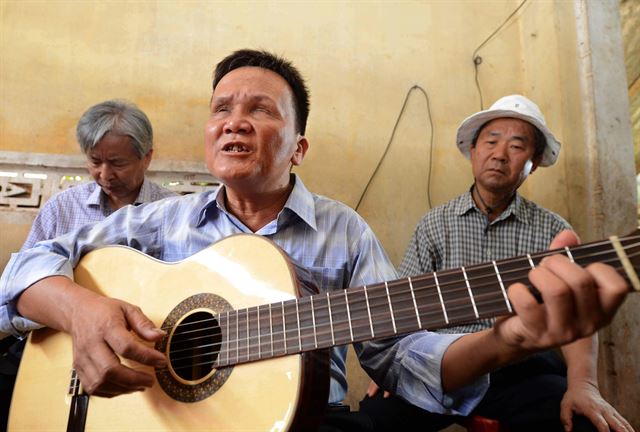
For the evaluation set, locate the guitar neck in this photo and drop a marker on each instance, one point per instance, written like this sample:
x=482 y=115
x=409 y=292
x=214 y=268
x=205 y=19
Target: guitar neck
x=388 y=309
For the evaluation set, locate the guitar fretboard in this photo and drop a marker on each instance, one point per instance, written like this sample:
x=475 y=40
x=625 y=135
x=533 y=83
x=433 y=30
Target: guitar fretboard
x=388 y=309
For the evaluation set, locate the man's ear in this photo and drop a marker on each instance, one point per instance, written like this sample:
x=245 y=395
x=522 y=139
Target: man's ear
x=302 y=145
x=147 y=158
x=535 y=163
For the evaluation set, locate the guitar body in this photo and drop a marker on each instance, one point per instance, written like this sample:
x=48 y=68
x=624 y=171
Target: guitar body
x=237 y=327
x=268 y=395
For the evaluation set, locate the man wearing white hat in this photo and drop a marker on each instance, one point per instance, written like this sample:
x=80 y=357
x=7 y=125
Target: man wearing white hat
x=505 y=144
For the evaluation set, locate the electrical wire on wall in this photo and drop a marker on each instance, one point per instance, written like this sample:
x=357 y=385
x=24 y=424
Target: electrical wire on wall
x=393 y=133
x=477 y=60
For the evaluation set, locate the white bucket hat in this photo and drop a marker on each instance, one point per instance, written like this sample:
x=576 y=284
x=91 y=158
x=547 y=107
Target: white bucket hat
x=513 y=106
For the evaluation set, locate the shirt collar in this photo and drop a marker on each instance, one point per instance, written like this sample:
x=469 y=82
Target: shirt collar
x=214 y=204
x=145 y=193
x=516 y=208
x=98 y=198
x=95 y=197
x=300 y=203
x=465 y=204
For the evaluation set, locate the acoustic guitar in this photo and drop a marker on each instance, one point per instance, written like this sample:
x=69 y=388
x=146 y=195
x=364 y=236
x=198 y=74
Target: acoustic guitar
x=246 y=352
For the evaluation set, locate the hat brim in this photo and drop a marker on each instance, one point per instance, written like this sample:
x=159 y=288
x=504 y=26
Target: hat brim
x=471 y=124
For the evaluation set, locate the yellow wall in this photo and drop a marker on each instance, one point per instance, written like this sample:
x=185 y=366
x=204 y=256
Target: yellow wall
x=360 y=60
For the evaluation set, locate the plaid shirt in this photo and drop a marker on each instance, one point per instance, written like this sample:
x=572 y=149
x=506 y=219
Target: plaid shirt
x=458 y=234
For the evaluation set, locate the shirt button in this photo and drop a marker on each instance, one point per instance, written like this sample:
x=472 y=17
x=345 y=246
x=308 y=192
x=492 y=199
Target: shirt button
x=487 y=252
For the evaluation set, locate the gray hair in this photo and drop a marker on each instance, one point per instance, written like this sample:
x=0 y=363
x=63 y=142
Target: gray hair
x=118 y=117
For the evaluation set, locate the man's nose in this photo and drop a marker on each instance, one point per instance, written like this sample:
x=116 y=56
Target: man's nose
x=236 y=123
x=106 y=172
x=500 y=152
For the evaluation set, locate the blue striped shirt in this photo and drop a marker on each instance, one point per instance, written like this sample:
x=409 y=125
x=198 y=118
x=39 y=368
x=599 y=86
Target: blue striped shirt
x=323 y=235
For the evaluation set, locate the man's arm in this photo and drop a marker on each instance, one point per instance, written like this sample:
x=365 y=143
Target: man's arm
x=448 y=373
x=100 y=329
x=37 y=288
x=583 y=394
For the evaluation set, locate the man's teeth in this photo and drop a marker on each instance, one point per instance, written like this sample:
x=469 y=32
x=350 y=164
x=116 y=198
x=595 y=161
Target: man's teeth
x=236 y=148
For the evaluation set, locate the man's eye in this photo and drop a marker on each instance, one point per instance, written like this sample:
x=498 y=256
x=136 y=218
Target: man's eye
x=221 y=108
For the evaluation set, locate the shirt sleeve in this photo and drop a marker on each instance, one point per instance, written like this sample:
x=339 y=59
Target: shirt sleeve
x=411 y=366
x=420 y=255
x=43 y=227
x=137 y=227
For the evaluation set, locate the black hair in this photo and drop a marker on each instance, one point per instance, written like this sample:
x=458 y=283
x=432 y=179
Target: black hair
x=274 y=63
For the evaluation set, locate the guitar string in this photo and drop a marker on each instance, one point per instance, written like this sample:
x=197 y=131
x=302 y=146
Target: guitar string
x=488 y=306
x=474 y=268
x=245 y=312
x=505 y=275
x=462 y=289
x=235 y=358
x=483 y=266
x=242 y=358
x=250 y=344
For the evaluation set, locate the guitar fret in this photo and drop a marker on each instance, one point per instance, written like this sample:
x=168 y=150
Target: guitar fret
x=566 y=248
x=237 y=336
x=248 y=339
x=473 y=301
x=228 y=339
x=277 y=332
x=292 y=320
x=306 y=323
x=298 y=319
x=346 y=300
x=366 y=297
x=444 y=310
x=393 y=319
x=504 y=291
x=530 y=261
x=415 y=304
x=263 y=332
x=333 y=338
x=271 y=329
x=284 y=328
x=259 y=347
x=313 y=319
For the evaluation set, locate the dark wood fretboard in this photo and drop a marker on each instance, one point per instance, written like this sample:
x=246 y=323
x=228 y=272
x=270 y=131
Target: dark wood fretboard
x=387 y=309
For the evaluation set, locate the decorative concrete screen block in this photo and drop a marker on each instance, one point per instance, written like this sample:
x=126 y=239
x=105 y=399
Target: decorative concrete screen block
x=17 y=191
x=28 y=180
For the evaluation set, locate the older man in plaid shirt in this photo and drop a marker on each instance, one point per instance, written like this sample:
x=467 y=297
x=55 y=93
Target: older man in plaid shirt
x=491 y=221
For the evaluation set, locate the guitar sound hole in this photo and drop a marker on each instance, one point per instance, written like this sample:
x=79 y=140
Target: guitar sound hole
x=194 y=347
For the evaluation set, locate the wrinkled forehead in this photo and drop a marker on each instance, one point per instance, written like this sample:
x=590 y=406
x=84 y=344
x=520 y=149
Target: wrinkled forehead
x=253 y=81
x=518 y=127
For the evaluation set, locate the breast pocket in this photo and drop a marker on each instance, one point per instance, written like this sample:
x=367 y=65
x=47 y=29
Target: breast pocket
x=328 y=279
